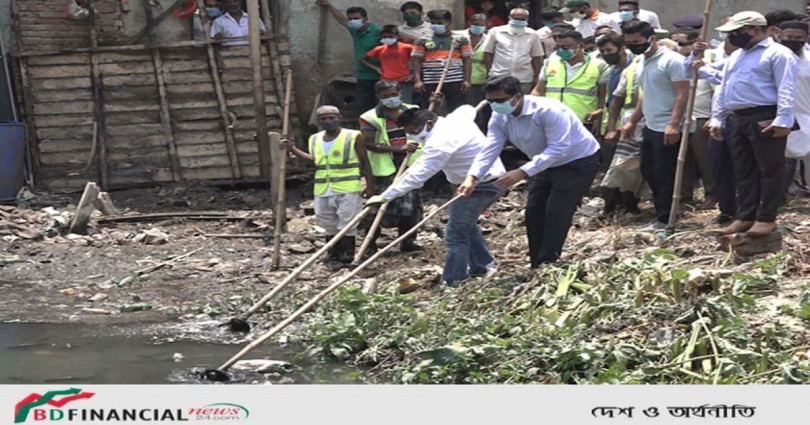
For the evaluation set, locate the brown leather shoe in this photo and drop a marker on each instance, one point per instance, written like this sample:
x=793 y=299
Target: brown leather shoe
x=762 y=228
x=738 y=226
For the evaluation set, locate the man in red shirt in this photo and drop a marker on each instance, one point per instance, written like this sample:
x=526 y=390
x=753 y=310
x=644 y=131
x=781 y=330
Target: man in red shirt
x=394 y=57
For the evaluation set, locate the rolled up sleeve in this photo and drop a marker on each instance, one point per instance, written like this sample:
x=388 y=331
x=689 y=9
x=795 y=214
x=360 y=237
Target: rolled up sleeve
x=784 y=70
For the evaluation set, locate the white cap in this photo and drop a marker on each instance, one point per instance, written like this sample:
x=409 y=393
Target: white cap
x=327 y=109
x=743 y=19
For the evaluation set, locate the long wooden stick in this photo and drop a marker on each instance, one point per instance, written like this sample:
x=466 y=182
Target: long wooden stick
x=321 y=295
x=165 y=114
x=404 y=166
x=291 y=277
x=281 y=203
x=690 y=108
x=213 y=68
x=259 y=106
x=98 y=100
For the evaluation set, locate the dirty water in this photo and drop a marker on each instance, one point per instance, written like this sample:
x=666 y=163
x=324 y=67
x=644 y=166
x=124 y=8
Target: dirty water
x=79 y=354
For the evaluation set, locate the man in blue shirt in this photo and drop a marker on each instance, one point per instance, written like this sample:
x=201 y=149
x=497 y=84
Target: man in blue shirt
x=564 y=158
x=757 y=93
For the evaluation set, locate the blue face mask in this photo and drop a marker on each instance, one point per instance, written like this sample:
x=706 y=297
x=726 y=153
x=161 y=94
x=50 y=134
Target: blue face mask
x=565 y=54
x=503 y=107
x=551 y=25
x=626 y=15
x=355 y=23
x=438 y=28
x=477 y=29
x=518 y=24
x=213 y=12
x=329 y=125
x=392 y=102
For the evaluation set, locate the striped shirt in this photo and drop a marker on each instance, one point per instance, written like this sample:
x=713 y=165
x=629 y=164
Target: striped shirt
x=396 y=134
x=435 y=51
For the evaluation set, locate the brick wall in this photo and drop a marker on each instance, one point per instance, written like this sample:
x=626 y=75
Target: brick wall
x=42 y=27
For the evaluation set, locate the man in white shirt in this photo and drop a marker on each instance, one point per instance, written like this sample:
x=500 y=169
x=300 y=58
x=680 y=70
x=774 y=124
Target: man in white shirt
x=794 y=35
x=586 y=19
x=450 y=145
x=630 y=9
x=514 y=49
x=233 y=24
x=564 y=159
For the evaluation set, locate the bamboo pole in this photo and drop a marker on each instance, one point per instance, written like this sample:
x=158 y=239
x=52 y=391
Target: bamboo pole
x=165 y=114
x=265 y=161
x=321 y=295
x=230 y=142
x=690 y=108
x=281 y=204
x=98 y=100
x=32 y=142
x=305 y=265
x=404 y=166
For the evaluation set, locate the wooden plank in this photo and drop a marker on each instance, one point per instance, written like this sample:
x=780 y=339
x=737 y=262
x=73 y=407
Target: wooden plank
x=129 y=80
x=187 y=78
x=76 y=159
x=131 y=106
x=126 y=179
x=205 y=161
x=127 y=68
x=181 y=89
x=196 y=114
x=132 y=142
x=62 y=83
x=134 y=130
x=65 y=145
x=85 y=132
x=113 y=94
x=199 y=138
x=66 y=59
x=52 y=71
x=118 y=57
x=98 y=98
x=125 y=118
x=210 y=149
x=247 y=147
x=43 y=96
x=210 y=173
x=186 y=102
x=243 y=76
x=58 y=108
x=201 y=126
x=61 y=120
x=138 y=158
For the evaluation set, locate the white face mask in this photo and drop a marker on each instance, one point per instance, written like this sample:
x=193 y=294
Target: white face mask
x=577 y=15
x=423 y=135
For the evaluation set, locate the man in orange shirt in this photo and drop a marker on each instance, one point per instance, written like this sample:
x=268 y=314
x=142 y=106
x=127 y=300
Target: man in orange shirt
x=395 y=57
x=430 y=55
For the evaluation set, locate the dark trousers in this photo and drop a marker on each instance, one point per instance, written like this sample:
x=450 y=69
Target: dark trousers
x=554 y=196
x=725 y=185
x=759 y=165
x=453 y=97
x=365 y=95
x=698 y=162
x=658 y=164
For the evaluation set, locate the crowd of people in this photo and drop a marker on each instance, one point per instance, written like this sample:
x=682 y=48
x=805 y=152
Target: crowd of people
x=590 y=96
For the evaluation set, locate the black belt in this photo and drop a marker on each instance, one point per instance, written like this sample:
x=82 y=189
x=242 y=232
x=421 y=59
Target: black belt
x=755 y=110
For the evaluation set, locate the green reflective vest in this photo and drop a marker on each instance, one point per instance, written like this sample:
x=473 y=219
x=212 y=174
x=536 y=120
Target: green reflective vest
x=630 y=97
x=382 y=163
x=340 y=169
x=581 y=93
x=479 y=67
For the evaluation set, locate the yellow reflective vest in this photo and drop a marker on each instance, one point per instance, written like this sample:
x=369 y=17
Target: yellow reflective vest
x=382 y=163
x=340 y=168
x=581 y=94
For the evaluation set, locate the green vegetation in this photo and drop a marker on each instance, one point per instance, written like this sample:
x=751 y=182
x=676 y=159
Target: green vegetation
x=641 y=320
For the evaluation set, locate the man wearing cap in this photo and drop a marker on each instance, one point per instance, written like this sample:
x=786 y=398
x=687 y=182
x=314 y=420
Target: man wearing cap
x=757 y=93
x=451 y=145
x=586 y=19
x=688 y=22
x=515 y=49
x=564 y=159
x=630 y=9
x=340 y=162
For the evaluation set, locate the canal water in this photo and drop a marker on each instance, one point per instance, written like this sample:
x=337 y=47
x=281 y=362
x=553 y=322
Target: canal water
x=73 y=354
